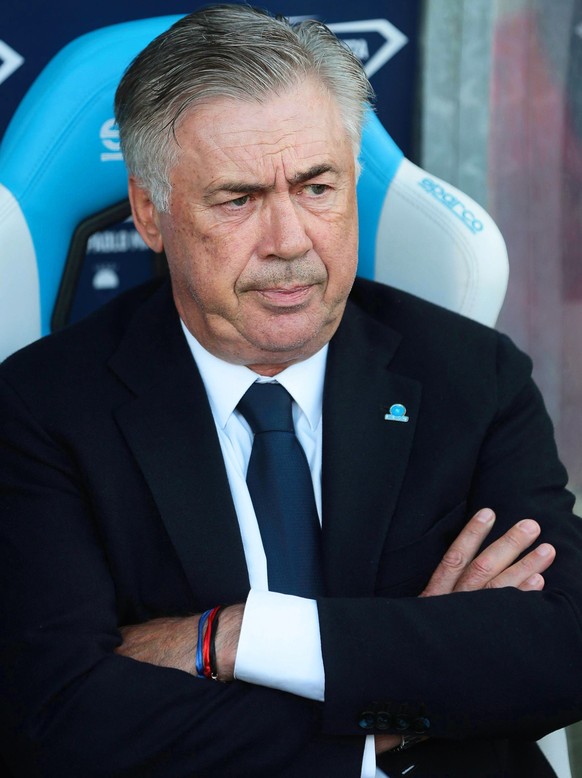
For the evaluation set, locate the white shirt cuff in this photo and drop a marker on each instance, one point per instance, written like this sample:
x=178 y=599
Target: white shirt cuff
x=369 y=760
x=280 y=645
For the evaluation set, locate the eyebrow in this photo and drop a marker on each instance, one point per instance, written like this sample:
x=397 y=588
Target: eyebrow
x=236 y=187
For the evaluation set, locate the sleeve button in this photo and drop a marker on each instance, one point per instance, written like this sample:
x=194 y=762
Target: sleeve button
x=382 y=720
x=401 y=723
x=421 y=725
x=367 y=719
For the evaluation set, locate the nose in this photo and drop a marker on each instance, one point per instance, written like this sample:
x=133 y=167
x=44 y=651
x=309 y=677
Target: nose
x=284 y=233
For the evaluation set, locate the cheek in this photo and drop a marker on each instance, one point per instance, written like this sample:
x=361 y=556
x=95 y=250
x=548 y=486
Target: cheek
x=210 y=269
x=340 y=255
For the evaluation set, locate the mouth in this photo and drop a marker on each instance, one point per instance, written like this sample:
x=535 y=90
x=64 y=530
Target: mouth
x=282 y=297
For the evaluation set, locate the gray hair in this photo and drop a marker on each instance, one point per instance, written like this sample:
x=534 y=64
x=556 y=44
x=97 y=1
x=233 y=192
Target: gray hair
x=230 y=51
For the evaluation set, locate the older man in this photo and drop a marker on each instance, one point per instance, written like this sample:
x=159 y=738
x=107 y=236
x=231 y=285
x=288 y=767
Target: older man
x=139 y=490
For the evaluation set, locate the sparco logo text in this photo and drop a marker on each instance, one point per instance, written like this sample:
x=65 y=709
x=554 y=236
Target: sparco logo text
x=453 y=203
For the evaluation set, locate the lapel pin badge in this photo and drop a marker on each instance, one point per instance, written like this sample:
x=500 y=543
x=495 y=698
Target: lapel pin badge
x=397 y=412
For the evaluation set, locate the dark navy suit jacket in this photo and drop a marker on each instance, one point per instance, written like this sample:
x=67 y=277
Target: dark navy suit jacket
x=115 y=509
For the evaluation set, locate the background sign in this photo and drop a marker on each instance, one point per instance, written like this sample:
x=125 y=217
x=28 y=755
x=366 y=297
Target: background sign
x=384 y=35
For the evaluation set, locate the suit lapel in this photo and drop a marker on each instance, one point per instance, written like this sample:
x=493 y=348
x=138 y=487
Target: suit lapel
x=169 y=427
x=364 y=455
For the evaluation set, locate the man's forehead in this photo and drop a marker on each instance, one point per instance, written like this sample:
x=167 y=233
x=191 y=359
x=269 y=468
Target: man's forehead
x=232 y=142
x=250 y=171
x=296 y=119
x=255 y=134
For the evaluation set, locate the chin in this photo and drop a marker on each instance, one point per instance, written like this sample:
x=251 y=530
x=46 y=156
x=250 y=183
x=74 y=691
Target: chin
x=293 y=331
x=301 y=348
x=285 y=339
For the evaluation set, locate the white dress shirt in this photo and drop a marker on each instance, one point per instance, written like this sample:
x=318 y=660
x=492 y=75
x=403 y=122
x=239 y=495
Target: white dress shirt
x=280 y=643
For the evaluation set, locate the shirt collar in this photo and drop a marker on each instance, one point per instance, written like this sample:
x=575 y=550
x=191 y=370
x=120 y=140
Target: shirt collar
x=226 y=383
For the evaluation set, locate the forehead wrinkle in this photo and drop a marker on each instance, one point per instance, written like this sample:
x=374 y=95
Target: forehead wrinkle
x=279 y=143
x=271 y=166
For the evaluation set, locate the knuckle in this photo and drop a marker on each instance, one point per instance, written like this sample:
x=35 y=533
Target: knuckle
x=481 y=568
x=528 y=563
x=483 y=565
x=513 y=540
x=453 y=560
x=475 y=529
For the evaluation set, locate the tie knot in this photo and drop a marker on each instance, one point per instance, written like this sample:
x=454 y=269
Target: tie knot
x=267 y=408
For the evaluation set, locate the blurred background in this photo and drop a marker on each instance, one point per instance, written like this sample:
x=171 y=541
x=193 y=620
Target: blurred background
x=486 y=94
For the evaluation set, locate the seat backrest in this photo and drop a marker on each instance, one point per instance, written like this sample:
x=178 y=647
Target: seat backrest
x=60 y=163
x=423 y=235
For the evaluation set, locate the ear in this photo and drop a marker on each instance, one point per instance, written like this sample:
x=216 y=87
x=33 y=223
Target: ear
x=145 y=216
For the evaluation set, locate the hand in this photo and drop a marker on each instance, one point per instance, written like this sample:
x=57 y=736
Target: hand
x=460 y=570
x=385 y=743
x=171 y=642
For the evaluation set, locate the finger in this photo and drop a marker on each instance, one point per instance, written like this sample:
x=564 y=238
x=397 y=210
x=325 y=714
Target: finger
x=460 y=554
x=499 y=556
x=532 y=564
x=534 y=584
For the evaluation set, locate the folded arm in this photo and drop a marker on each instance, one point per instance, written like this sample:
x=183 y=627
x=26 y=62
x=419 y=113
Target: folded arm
x=169 y=642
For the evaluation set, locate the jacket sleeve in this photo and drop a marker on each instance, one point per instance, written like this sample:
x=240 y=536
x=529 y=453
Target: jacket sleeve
x=69 y=704
x=492 y=663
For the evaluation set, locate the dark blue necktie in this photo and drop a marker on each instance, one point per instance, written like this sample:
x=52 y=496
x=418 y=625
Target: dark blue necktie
x=281 y=489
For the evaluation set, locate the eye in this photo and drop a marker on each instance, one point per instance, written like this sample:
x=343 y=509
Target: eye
x=317 y=189
x=238 y=202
